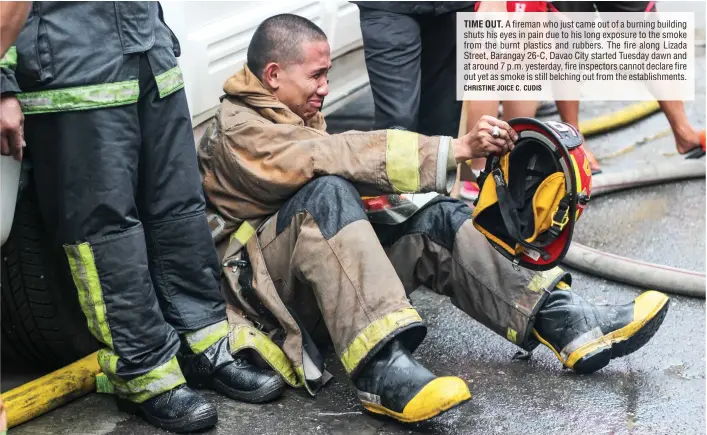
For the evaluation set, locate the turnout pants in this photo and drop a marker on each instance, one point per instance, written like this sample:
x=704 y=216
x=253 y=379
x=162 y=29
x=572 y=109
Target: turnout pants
x=339 y=272
x=119 y=190
x=411 y=62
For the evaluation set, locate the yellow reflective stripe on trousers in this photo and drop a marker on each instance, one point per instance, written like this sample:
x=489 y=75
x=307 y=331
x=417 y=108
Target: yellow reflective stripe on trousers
x=156 y=381
x=170 y=81
x=402 y=161
x=247 y=337
x=542 y=280
x=10 y=58
x=203 y=338
x=243 y=234
x=85 y=275
x=374 y=333
x=80 y=98
x=512 y=335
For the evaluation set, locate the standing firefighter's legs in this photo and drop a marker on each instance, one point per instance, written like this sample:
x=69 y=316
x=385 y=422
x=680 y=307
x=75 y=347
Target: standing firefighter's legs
x=183 y=261
x=440 y=110
x=440 y=248
x=392 y=47
x=86 y=174
x=328 y=266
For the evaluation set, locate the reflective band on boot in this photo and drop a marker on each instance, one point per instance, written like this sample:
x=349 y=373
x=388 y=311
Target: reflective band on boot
x=395 y=384
x=608 y=339
x=203 y=338
x=157 y=381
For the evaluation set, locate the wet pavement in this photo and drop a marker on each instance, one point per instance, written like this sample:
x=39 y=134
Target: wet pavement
x=659 y=389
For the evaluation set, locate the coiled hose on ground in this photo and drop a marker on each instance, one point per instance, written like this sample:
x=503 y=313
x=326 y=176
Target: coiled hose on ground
x=634 y=272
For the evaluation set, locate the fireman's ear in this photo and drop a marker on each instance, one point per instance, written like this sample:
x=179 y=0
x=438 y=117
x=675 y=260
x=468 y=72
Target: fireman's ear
x=272 y=75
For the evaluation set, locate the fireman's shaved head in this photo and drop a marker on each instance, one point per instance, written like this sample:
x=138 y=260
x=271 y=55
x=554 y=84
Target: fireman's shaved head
x=279 y=39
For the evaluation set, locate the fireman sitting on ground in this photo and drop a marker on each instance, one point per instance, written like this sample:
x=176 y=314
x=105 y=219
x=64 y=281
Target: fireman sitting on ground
x=300 y=255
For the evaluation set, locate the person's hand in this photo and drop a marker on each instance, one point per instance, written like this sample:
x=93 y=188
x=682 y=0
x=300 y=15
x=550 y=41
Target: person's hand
x=11 y=128
x=480 y=142
x=492 y=6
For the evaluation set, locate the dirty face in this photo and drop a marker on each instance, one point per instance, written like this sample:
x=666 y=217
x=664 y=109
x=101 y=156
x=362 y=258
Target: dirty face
x=302 y=86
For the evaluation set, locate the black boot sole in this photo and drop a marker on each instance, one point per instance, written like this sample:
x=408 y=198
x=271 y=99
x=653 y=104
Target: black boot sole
x=270 y=390
x=189 y=423
x=600 y=359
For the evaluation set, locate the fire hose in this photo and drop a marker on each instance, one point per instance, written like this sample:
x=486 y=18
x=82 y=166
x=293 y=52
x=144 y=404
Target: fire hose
x=627 y=270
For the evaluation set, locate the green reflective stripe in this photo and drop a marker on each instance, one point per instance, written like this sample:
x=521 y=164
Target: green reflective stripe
x=170 y=81
x=156 y=381
x=203 y=338
x=104 y=385
x=108 y=361
x=402 y=160
x=246 y=337
x=374 y=333
x=85 y=275
x=10 y=58
x=80 y=98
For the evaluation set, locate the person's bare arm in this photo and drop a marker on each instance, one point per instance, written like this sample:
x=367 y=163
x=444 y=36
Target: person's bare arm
x=12 y=17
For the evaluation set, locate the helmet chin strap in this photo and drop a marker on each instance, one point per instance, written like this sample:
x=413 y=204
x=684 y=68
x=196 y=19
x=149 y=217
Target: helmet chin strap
x=509 y=210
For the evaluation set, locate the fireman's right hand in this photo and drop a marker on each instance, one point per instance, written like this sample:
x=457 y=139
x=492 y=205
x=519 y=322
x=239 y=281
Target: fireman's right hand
x=479 y=143
x=11 y=127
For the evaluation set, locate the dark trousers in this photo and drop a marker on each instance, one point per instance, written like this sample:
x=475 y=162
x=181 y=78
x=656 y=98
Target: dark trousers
x=411 y=62
x=119 y=190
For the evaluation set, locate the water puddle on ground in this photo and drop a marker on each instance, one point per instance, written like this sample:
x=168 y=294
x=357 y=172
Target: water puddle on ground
x=677 y=371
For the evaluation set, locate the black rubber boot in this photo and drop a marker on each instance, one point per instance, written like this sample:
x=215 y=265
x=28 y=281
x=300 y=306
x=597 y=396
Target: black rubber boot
x=393 y=383
x=178 y=410
x=234 y=377
x=585 y=337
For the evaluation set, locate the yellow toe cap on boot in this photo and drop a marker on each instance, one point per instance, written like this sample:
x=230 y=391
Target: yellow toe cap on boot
x=647 y=304
x=439 y=395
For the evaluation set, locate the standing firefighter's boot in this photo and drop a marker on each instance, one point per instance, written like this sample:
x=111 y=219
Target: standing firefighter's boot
x=585 y=337
x=180 y=410
x=393 y=383
x=234 y=377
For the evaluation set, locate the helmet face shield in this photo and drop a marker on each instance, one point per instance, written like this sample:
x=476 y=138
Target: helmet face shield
x=531 y=197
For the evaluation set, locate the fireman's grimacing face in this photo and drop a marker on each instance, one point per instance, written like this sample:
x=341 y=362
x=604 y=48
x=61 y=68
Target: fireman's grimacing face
x=302 y=86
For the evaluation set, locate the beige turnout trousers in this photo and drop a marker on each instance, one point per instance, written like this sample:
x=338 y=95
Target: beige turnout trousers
x=342 y=274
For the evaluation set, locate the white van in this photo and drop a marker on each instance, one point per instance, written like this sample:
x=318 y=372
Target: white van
x=42 y=324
